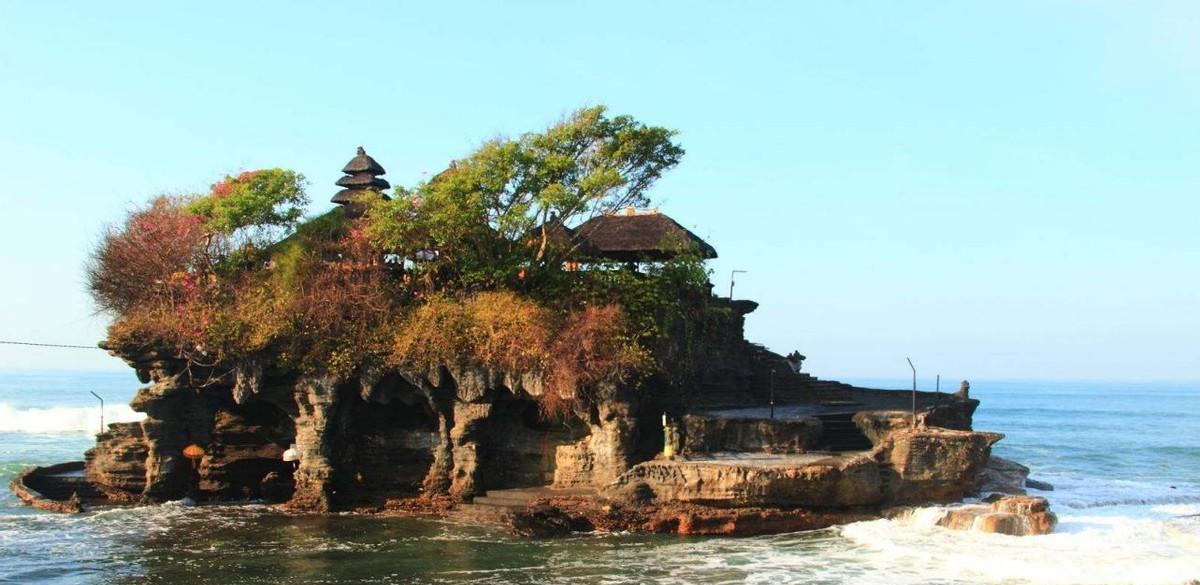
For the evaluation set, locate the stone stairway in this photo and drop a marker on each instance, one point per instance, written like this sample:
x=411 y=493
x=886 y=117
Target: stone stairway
x=841 y=434
x=790 y=388
x=495 y=505
x=830 y=392
x=713 y=396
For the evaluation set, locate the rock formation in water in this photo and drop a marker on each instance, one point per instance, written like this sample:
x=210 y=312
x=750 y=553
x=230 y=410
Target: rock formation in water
x=463 y=345
x=458 y=432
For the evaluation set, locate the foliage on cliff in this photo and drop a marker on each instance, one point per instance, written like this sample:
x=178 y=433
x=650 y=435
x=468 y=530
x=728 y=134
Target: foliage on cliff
x=464 y=268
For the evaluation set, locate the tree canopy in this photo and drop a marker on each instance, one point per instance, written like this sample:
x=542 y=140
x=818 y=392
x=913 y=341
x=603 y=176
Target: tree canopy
x=464 y=267
x=494 y=211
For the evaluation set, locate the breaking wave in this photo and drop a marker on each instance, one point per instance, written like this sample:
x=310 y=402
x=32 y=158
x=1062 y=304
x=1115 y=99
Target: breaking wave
x=62 y=419
x=1117 y=548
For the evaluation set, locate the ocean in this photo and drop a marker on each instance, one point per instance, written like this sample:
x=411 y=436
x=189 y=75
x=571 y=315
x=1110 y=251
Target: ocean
x=1124 y=460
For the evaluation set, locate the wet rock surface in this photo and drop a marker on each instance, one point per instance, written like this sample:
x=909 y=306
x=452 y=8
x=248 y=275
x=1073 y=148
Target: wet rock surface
x=1003 y=476
x=1011 y=515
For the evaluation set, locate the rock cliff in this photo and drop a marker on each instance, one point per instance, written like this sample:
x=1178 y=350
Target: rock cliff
x=386 y=436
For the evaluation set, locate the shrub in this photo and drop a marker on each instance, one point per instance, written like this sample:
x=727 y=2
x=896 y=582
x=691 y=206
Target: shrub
x=150 y=260
x=593 y=346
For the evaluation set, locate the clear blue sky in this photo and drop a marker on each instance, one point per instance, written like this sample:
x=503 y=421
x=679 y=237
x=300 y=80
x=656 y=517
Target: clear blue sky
x=999 y=191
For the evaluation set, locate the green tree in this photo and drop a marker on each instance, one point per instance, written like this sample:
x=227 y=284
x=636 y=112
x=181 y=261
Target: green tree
x=496 y=212
x=250 y=210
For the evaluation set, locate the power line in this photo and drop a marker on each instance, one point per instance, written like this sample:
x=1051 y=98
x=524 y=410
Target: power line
x=2 y=342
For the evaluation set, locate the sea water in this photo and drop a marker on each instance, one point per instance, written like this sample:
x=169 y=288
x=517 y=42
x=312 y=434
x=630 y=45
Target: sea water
x=1124 y=460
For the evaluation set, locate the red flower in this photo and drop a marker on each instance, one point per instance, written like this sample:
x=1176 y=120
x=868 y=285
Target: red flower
x=222 y=189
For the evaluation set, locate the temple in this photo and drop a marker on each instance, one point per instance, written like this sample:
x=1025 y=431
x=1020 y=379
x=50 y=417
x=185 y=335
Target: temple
x=736 y=433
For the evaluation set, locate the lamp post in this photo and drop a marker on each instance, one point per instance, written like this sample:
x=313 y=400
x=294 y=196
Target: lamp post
x=772 y=393
x=914 y=392
x=732 y=275
x=101 y=409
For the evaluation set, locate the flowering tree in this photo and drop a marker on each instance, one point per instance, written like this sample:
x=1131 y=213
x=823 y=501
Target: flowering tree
x=147 y=259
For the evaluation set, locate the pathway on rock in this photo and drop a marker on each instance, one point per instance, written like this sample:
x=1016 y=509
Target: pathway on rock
x=496 y=505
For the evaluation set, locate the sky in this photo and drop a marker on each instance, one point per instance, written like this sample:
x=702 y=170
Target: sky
x=996 y=190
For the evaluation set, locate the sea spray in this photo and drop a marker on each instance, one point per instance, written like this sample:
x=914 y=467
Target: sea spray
x=62 y=419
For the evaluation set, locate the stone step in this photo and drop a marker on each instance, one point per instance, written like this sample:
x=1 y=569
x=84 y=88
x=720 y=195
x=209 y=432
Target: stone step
x=480 y=514
x=517 y=498
x=495 y=502
x=521 y=497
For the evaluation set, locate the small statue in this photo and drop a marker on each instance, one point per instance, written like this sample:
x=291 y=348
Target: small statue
x=795 y=360
x=671 y=438
x=964 y=391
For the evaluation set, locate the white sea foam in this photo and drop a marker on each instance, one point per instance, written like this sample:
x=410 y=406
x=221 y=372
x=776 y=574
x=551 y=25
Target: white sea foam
x=62 y=419
x=1084 y=549
x=1092 y=492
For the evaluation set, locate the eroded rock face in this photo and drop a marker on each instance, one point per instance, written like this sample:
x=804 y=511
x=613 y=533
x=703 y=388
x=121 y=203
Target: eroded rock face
x=818 y=482
x=706 y=434
x=877 y=425
x=932 y=465
x=908 y=466
x=117 y=464
x=455 y=431
x=316 y=399
x=1012 y=515
x=608 y=450
x=247 y=444
x=1002 y=476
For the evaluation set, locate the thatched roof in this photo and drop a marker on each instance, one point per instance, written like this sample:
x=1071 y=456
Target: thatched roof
x=631 y=238
x=362 y=163
x=362 y=181
x=361 y=175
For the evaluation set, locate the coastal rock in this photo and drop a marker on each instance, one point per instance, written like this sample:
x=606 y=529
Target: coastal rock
x=247 y=444
x=1011 y=515
x=315 y=402
x=878 y=425
x=545 y=521
x=692 y=519
x=1003 y=476
x=703 y=434
x=954 y=414
x=465 y=438
x=452 y=432
x=696 y=520
x=117 y=464
x=1038 y=485
x=276 y=487
x=814 y=481
x=608 y=450
x=932 y=465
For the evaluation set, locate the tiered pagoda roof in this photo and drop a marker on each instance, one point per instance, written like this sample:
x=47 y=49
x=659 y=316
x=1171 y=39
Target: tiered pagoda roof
x=362 y=175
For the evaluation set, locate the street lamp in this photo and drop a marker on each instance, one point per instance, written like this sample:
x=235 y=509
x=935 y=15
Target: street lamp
x=732 y=275
x=101 y=409
x=914 y=392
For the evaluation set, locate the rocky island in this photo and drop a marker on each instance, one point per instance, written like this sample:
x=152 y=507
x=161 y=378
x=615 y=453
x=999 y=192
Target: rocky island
x=520 y=339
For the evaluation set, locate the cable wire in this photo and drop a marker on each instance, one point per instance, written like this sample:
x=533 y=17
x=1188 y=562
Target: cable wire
x=30 y=343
